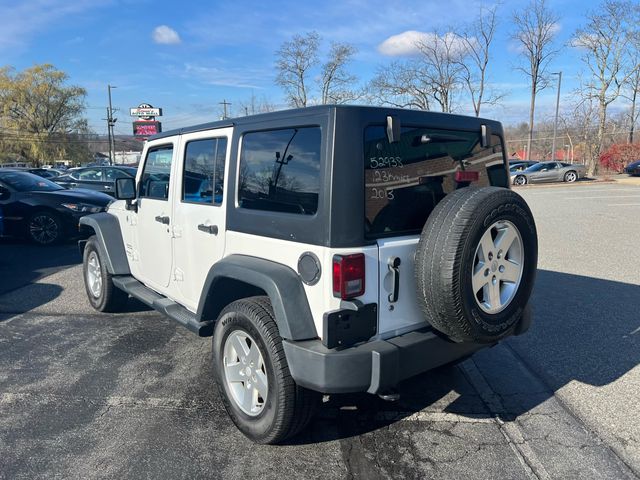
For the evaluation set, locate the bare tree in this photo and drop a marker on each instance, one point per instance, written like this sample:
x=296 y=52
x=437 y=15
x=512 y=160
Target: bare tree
x=607 y=40
x=402 y=85
x=294 y=60
x=441 y=58
x=631 y=93
x=254 y=105
x=477 y=40
x=336 y=82
x=535 y=29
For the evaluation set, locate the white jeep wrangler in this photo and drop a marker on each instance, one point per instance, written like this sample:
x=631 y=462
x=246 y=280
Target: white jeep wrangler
x=329 y=249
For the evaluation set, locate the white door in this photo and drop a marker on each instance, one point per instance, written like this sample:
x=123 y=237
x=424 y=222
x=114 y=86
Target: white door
x=199 y=211
x=155 y=195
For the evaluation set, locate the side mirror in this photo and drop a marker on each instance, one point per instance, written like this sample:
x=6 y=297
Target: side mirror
x=125 y=188
x=4 y=193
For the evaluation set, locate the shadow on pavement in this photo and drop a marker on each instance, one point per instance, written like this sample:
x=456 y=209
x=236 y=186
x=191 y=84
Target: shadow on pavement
x=585 y=329
x=39 y=294
x=22 y=263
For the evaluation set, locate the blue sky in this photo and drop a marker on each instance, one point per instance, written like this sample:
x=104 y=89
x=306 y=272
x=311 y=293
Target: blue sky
x=205 y=52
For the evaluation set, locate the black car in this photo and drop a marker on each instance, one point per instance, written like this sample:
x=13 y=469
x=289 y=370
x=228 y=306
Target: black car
x=42 y=211
x=101 y=179
x=633 y=168
x=41 y=172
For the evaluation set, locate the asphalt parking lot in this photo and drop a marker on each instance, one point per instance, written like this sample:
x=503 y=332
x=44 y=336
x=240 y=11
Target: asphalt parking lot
x=87 y=395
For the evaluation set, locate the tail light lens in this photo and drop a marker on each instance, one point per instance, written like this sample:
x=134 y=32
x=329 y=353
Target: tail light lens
x=348 y=276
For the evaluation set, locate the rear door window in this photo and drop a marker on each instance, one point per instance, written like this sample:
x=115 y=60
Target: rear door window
x=405 y=180
x=204 y=165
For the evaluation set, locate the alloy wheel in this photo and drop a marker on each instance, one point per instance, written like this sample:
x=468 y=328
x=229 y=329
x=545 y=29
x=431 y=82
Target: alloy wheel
x=497 y=267
x=245 y=372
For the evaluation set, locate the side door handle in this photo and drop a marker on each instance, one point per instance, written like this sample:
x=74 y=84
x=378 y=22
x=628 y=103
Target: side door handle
x=163 y=220
x=394 y=268
x=211 y=229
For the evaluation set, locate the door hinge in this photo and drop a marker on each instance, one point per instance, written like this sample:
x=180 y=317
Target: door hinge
x=178 y=275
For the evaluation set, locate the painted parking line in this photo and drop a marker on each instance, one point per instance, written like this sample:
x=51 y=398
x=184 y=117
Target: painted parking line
x=603 y=196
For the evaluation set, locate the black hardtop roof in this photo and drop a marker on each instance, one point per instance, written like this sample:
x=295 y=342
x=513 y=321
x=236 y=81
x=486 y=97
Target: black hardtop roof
x=326 y=109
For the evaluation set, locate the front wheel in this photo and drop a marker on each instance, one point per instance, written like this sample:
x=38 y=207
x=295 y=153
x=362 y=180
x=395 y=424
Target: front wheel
x=103 y=295
x=253 y=376
x=570 y=176
x=45 y=228
x=520 y=180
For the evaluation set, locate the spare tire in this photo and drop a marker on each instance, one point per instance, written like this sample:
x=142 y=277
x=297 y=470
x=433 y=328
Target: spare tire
x=476 y=263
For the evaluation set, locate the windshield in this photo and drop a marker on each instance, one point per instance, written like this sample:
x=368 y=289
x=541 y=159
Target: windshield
x=28 y=182
x=537 y=167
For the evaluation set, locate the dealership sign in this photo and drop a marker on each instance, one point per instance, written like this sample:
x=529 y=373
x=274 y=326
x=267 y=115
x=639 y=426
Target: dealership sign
x=146 y=124
x=145 y=111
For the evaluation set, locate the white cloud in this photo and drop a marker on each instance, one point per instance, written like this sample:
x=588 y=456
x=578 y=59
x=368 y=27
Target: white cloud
x=408 y=43
x=165 y=35
x=403 y=44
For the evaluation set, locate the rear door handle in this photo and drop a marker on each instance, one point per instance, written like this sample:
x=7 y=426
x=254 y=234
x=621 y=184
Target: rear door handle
x=394 y=268
x=163 y=220
x=211 y=229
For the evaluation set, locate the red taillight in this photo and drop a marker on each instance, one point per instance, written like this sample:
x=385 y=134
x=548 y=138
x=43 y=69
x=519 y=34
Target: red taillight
x=467 y=176
x=348 y=276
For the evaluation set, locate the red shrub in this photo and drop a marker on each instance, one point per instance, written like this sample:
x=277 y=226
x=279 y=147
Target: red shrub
x=619 y=155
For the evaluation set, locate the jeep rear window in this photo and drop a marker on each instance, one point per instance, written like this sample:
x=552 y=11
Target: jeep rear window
x=405 y=180
x=280 y=170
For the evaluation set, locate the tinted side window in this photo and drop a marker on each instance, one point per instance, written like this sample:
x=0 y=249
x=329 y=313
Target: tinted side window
x=90 y=174
x=404 y=181
x=157 y=173
x=203 y=176
x=113 y=174
x=280 y=170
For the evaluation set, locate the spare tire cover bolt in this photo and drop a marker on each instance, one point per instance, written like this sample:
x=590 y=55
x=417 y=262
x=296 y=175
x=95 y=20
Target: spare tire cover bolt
x=500 y=254
x=490 y=256
x=494 y=280
x=501 y=269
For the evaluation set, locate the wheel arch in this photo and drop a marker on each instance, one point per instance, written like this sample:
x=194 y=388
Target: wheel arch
x=241 y=276
x=109 y=238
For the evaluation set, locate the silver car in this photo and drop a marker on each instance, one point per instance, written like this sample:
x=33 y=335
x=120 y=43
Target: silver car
x=549 y=172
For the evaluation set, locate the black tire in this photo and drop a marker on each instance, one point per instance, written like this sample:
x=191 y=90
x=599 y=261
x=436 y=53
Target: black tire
x=520 y=180
x=288 y=407
x=106 y=298
x=570 y=178
x=45 y=228
x=446 y=259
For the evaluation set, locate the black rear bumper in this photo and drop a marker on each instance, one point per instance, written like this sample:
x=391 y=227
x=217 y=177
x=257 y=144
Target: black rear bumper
x=377 y=365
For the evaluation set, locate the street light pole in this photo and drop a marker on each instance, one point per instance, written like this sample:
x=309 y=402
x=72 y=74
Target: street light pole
x=111 y=123
x=555 y=124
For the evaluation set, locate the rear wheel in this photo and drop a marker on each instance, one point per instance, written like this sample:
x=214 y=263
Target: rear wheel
x=476 y=263
x=253 y=376
x=45 y=228
x=570 y=176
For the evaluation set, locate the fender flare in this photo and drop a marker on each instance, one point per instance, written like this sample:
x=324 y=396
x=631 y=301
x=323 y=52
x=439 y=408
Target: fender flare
x=110 y=243
x=281 y=284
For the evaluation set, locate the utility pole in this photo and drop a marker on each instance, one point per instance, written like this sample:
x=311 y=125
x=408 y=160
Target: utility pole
x=111 y=122
x=224 y=103
x=555 y=124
